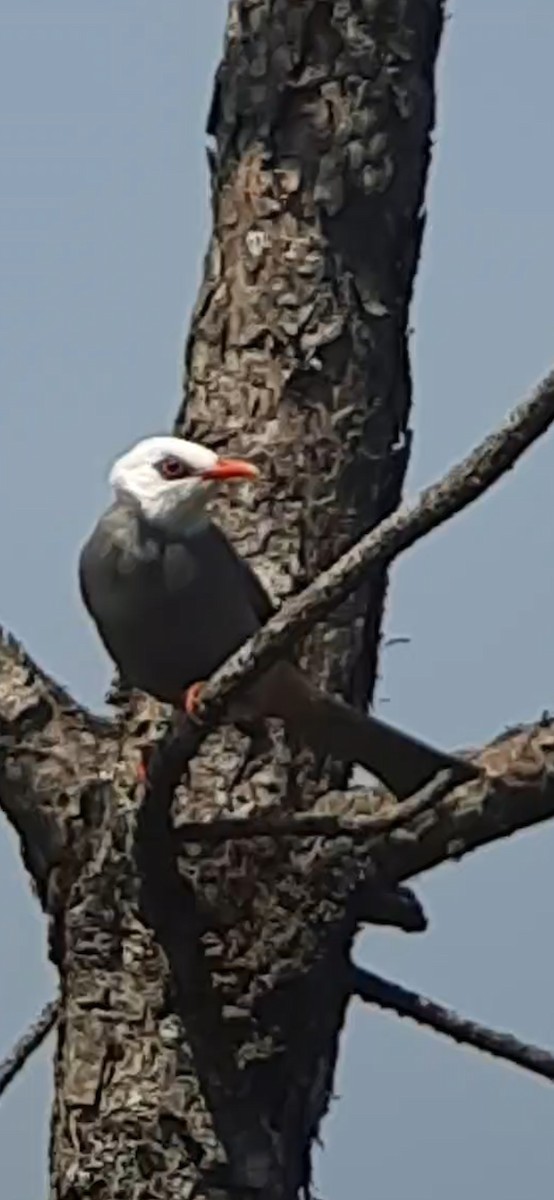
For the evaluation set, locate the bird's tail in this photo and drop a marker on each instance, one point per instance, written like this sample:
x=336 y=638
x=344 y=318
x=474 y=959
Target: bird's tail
x=332 y=727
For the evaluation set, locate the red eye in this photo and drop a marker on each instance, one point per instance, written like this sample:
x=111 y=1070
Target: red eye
x=172 y=468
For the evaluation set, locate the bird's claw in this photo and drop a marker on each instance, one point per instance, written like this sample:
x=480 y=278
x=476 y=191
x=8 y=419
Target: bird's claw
x=143 y=765
x=191 y=700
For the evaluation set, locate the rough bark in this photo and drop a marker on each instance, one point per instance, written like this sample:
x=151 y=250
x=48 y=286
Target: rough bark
x=130 y=1083
x=203 y=989
x=321 y=121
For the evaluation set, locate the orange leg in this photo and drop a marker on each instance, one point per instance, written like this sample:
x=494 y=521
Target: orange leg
x=191 y=699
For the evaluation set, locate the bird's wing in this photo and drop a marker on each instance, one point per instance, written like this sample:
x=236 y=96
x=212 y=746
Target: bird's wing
x=83 y=589
x=259 y=599
x=255 y=592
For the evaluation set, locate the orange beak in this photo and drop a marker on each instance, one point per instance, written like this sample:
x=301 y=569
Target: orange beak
x=231 y=468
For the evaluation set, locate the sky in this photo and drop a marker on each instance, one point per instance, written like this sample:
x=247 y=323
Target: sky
x=104 y=215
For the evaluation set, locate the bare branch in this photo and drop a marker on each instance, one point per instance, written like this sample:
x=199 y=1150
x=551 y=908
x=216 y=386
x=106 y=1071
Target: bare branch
x=515 y=792
x=397 y=842
x=325 y=825
x=28 y=1043
x=385 y=994
x=50 y=750
x=496 y=455
x=397 y=907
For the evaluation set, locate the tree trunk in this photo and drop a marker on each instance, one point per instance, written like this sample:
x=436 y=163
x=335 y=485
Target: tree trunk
x=202 y=986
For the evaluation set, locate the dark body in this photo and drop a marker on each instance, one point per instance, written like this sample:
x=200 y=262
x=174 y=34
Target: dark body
x=171 y=611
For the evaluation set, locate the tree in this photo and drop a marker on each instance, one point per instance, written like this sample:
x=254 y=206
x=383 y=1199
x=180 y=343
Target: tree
x=218 y=1068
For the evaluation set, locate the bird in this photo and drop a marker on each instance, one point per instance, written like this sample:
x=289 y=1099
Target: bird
x=172 y=599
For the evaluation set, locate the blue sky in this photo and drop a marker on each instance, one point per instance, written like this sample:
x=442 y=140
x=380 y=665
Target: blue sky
x=103 y=218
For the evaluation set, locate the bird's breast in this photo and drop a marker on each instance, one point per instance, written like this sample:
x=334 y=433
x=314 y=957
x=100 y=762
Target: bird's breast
x=170 y=617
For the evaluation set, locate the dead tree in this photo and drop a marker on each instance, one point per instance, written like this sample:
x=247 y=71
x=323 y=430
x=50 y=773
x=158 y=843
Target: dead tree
x=201 y=923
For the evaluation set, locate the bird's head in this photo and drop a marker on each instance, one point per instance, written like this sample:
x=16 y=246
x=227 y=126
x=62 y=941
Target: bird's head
x=170 y=480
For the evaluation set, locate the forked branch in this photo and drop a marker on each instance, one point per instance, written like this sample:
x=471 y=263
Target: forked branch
x=514 y=792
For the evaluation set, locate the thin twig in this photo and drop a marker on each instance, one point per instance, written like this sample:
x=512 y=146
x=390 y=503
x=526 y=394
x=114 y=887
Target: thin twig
x=468 y=480
x=30 y=1041
x=327 y=825
x=386 y=994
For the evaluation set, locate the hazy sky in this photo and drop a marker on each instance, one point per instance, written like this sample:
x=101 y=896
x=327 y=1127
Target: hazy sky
x=104 y=215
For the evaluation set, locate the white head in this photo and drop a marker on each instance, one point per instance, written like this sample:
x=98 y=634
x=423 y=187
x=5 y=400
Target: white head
x=170 y=480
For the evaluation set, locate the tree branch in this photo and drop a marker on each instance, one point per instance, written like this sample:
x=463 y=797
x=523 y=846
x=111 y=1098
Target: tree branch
x=50 y=750
x=515 y=792
x=466 y=482
x=314 y=825
x=28 y=1043
x=385 y=994
x=396 y=843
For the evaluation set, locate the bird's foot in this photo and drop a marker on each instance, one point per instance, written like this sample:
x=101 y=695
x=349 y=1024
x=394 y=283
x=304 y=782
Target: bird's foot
x=142 y=767
x=191 y=700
